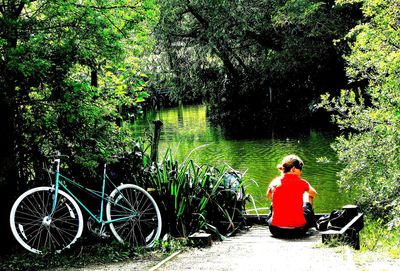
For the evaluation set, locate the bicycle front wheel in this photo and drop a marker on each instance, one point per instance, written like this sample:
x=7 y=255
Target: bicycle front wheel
x=134 y=216
x=40 y=230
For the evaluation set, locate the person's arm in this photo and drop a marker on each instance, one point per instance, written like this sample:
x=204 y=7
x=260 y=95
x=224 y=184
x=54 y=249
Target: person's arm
x=310 y=194
x=271 y=188
x=269 y=192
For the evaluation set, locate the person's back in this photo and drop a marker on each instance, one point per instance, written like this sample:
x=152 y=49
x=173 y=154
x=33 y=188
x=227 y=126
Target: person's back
x=291 y=215
x=287 y=202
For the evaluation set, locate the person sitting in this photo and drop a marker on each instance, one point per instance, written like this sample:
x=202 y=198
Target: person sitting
x=292 y=200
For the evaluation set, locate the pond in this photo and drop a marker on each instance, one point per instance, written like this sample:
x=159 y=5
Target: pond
x=186 y=130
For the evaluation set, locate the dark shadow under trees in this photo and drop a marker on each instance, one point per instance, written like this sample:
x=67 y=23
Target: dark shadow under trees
x=258 y=64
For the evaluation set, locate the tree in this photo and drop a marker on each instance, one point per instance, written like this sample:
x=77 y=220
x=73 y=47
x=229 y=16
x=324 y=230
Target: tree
x=369 y=117
x=252 y=60
x=65 y=74
x=70 y=76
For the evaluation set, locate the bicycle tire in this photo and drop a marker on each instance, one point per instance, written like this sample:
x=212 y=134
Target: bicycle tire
x=137 y=214
x=34 y=230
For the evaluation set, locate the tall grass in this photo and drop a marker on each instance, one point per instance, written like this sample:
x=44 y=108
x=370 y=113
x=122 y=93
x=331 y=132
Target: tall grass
x=195 y=197
x=191 y=197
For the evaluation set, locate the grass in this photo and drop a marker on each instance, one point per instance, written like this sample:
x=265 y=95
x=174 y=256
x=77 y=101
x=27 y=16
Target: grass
x=379 y=247
x=103 y=252
x=378 y=237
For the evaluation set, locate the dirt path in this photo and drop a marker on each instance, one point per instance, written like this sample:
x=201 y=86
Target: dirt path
x=255 y=250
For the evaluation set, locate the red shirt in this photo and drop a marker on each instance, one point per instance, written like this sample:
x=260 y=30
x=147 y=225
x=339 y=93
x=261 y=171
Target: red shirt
x=287 y=201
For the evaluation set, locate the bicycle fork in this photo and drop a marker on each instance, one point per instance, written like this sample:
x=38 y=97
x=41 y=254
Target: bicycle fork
x=48 y=219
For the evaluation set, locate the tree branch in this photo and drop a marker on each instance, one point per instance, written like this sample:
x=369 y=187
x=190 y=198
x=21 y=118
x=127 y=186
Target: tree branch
x=198 y=17
x=19 y=9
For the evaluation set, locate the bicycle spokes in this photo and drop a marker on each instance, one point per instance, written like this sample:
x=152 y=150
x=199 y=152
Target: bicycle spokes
x=135 y=216
x=38 y=227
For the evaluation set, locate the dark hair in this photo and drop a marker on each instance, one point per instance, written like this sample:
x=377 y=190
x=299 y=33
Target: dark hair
x=291 y=161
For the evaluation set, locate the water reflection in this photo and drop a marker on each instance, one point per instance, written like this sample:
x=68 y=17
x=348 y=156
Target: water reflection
x=186 y=128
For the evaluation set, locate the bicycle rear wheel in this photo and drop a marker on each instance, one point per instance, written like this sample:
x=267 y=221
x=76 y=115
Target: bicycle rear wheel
x=39 y=231
x=134 y=215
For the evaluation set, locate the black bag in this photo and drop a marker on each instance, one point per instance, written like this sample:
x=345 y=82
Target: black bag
x=322 y=222
x=336 y=220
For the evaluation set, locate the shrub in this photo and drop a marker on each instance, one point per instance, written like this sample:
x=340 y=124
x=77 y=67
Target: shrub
x=369 y=118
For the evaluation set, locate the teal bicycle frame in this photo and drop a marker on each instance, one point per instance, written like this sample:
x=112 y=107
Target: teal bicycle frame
x=49 y=218
x=58 y=182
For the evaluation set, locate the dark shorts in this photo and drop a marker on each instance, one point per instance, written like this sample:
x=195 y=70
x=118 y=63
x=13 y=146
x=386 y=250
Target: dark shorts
x=296 y=232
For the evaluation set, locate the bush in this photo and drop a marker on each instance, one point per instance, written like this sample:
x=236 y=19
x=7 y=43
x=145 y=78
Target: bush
x=369 y=118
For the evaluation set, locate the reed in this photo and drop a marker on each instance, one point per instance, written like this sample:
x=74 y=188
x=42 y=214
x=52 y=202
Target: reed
x=195 y=197
x=191 y=197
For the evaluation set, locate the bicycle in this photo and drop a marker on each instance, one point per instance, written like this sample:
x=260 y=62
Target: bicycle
x=49 y=218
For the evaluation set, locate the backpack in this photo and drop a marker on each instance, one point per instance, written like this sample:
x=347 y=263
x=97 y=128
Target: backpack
x=336 y=220
x=232 y=184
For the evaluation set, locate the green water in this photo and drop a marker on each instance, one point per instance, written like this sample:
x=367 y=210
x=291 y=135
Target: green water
x=186 y=129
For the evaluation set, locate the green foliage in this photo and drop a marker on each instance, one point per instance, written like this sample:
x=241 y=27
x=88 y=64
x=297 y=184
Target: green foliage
x=72 y=80
x=170 y=245
x=369 y=147
x=71 y=77
x=192 y=197
x=252 y=59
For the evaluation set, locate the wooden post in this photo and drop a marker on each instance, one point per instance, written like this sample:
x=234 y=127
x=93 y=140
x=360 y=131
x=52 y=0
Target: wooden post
x=156 y=139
